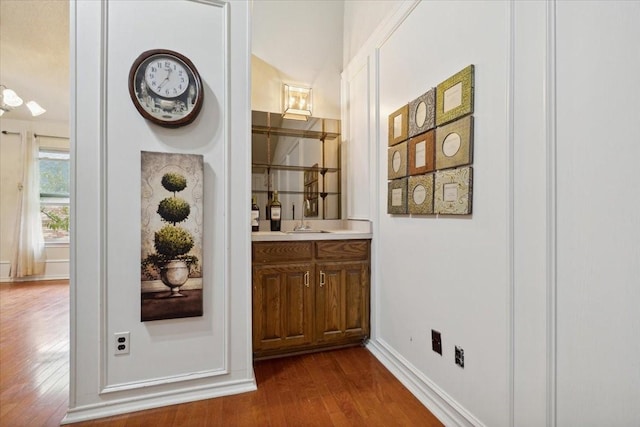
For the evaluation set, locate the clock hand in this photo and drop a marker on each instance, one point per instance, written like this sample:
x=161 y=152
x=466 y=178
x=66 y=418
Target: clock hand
x=166 y=79
x=163 y=83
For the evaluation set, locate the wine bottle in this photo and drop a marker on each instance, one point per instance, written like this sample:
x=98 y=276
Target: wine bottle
x=255 y=215
x=267 y=211
x=276 y=210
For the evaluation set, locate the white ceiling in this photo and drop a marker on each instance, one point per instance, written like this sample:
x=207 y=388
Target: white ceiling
x=34 y=55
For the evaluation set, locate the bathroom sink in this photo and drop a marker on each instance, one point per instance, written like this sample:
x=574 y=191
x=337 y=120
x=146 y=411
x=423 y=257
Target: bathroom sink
x=306 y=231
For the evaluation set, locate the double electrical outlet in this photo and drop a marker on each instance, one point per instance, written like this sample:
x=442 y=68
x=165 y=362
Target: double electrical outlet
x=122 y=343
x=436 y=345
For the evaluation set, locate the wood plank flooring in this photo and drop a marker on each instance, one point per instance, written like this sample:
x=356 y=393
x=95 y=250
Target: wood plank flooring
x=34 y=353
x=337 y=388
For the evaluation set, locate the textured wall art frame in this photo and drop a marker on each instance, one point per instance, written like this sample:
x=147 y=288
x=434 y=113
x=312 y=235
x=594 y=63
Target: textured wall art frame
x=454 y=96
x=453 y=191
x=420 y=194
x=398 y=125
x=454 y=144
x=422 y=113
x=397 y=196
x=422 y=153
x=397 y=161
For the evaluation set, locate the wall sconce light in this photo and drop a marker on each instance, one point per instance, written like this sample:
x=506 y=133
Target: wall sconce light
x=296 y=102
x=10 y=100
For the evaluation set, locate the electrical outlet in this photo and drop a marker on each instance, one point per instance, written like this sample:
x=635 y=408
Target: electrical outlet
x=122 y=342
x=436 y=342
x=459 y=356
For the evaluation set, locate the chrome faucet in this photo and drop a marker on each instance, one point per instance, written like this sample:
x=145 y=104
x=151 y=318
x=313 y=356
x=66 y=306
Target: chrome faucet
x=302 y=226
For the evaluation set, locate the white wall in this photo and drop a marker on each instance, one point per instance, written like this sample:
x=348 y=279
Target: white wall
x=450 y=273
x=598 y=225
x=171 y=361
x=539 y=285
x=360 y=20
x=57 y=265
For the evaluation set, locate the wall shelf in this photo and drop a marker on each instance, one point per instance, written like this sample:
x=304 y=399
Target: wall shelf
x=296 y=133
x=269 y=132
x=323 y=195
x=261 y=167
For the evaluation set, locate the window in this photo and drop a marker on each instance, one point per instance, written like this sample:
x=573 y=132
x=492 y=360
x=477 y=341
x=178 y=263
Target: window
x=54 y=194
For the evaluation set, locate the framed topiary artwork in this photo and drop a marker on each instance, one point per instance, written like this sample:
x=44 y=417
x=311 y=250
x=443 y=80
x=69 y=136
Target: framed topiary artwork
x=171 y=232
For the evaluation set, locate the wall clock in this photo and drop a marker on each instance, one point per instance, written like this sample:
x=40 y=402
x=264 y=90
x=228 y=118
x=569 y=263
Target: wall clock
x=166 y=88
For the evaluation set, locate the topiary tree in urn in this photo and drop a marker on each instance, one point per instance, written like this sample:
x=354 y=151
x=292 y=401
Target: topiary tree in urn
x=172 y=242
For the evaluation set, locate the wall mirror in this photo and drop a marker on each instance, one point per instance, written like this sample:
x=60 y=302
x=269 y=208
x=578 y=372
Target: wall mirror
x=300 y=160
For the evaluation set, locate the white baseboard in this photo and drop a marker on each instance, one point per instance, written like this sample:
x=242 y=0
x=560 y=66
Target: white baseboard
x=56 y=269
x=445 y=408
x=122 y=406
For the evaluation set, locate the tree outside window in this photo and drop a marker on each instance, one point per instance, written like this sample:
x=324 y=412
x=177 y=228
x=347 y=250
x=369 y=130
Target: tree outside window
x=54 y=194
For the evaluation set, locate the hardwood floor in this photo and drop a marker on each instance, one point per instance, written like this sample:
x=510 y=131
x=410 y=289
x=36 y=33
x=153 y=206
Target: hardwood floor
x=337 y=388
x=34 y=353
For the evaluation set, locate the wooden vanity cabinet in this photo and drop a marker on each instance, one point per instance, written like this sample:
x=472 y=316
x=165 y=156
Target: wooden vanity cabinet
x=342 y=293
x=309 y=295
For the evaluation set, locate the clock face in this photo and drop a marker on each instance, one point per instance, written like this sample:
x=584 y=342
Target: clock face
x=166 y=77
x=165 y=88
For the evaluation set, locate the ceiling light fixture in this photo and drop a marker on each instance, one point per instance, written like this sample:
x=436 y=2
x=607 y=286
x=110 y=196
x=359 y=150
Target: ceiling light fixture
x=296 y=102
x=35 y=108
x=10 y=100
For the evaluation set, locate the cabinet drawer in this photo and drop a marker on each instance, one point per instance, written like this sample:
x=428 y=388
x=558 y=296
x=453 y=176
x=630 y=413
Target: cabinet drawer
x=281 y=251
x=341 y=250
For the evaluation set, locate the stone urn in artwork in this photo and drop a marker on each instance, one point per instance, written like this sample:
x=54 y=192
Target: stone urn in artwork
x=172 y=242
x=174 y=274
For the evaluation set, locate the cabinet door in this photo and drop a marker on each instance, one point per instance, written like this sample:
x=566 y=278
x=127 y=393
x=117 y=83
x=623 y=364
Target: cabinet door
x=342 y=301
x=282 y=306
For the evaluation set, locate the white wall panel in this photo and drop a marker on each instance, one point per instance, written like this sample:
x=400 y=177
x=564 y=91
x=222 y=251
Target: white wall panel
x=530 y=110
x=598 y=246
x=163 y=342
x=178 y=360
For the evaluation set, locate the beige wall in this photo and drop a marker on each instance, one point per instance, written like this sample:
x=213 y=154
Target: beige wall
x=297 y=42
x=10 y=175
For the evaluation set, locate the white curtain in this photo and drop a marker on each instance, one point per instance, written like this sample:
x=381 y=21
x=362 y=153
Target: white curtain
x=28 y=257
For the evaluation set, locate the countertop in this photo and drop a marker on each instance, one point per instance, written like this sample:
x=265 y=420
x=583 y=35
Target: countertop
x=331 y=230
x=274 y=236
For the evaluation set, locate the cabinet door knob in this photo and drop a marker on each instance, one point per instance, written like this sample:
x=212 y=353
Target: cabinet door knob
x=321 y=279
x=306 y=279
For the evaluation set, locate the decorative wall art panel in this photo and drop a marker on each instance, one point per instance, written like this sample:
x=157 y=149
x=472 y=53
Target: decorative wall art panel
x=422 y=153
x=398 y=125
x=397 y=161
x=171 y=235
x=454 y=144
x=454 y=96
x=439 y=127
x=422 y=113
x=420 y=194
x=397 y=196
x=453 y=192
